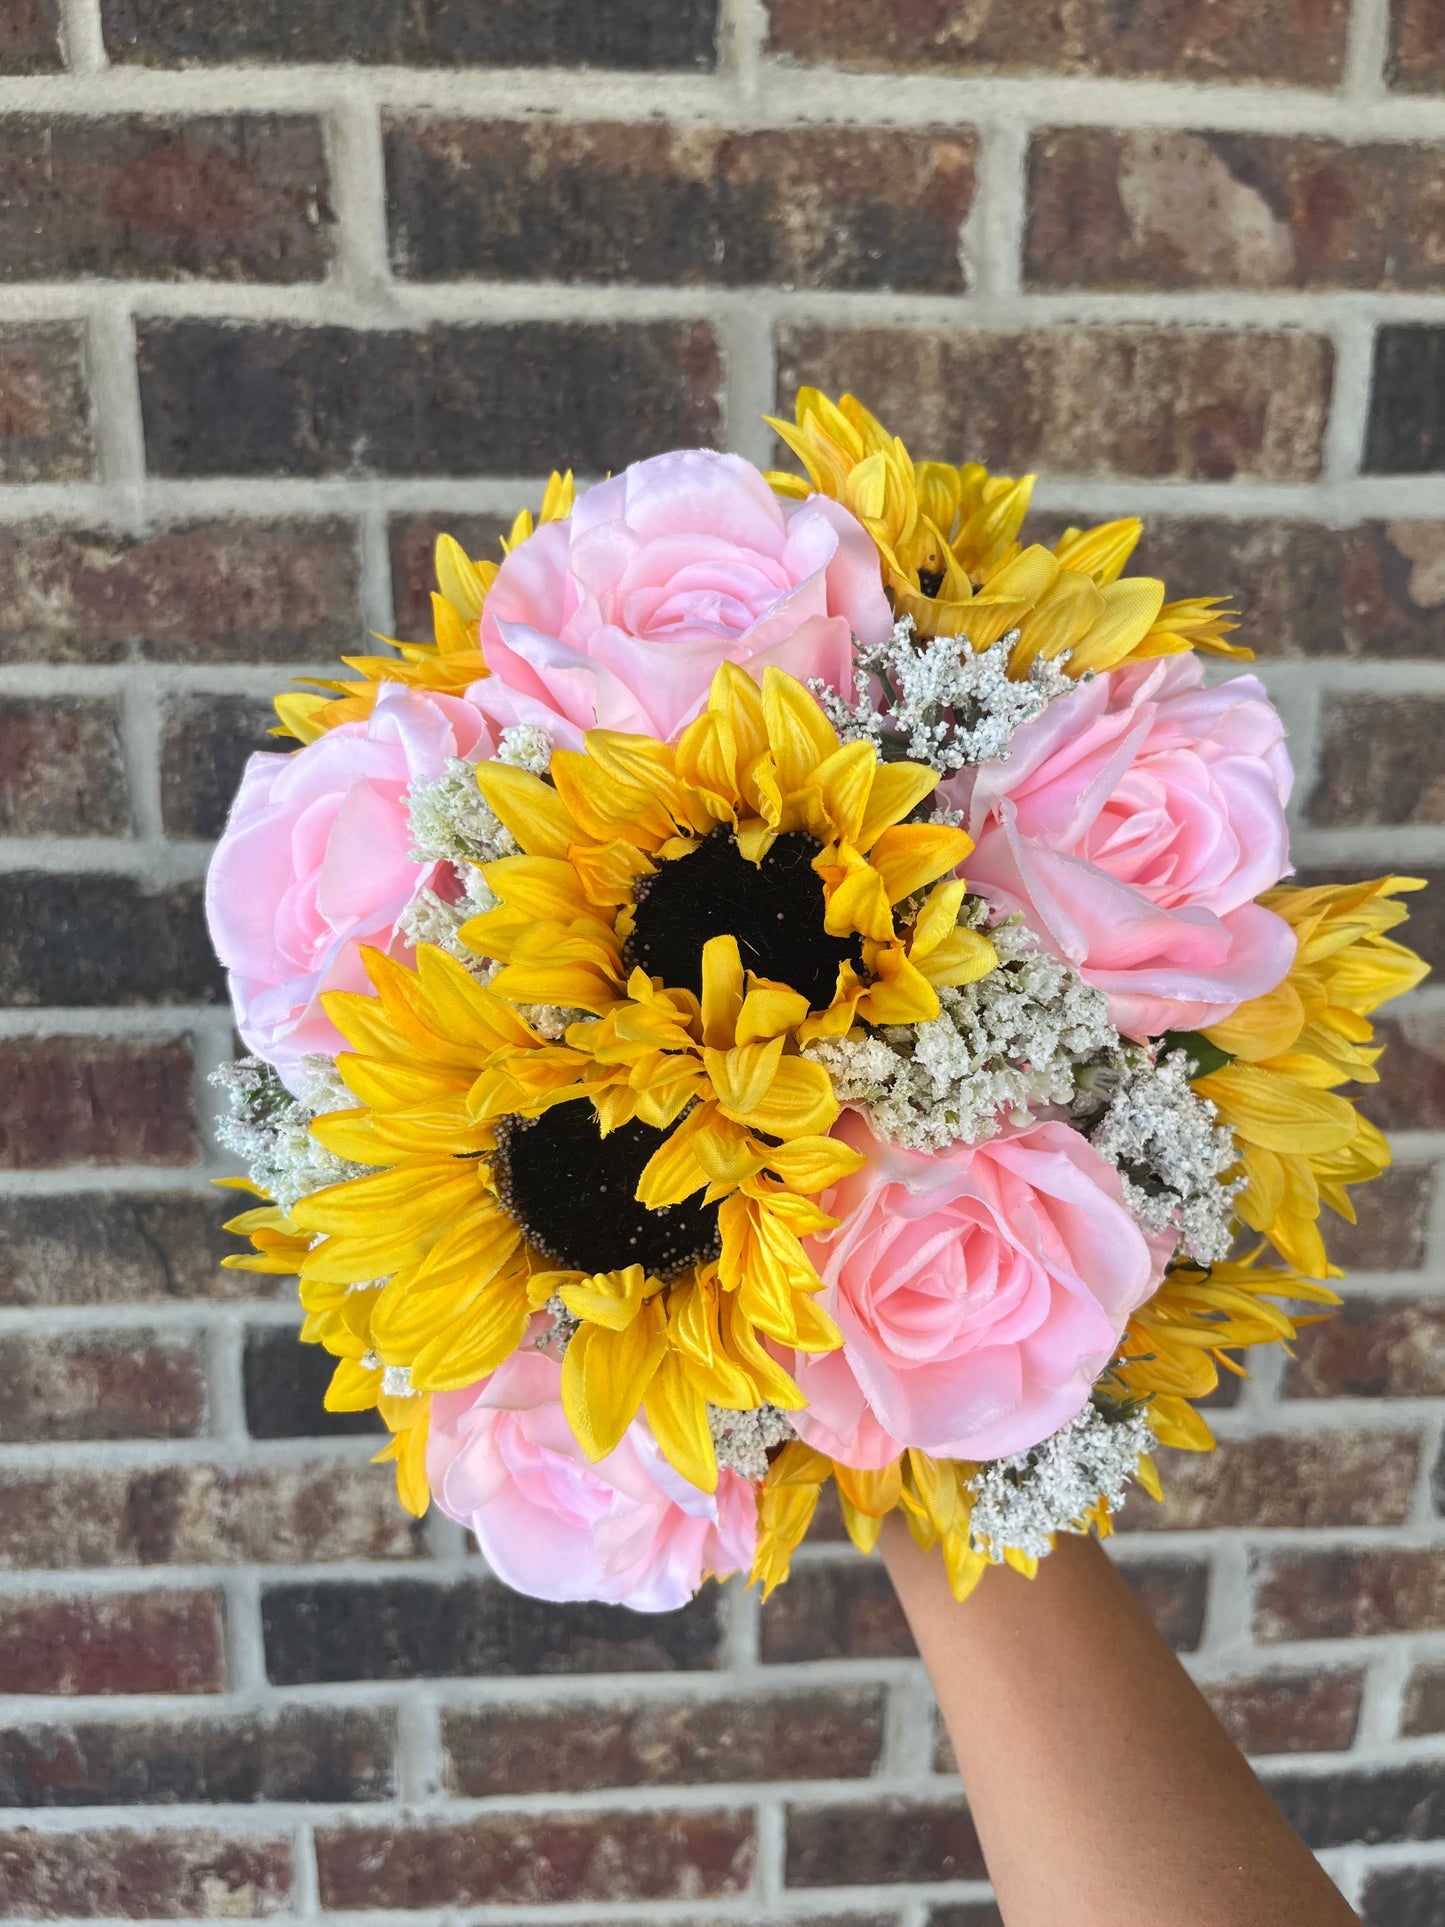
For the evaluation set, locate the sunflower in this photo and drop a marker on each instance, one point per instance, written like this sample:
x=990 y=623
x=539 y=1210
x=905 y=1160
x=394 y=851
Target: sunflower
x=948 y=541
x=448 y=664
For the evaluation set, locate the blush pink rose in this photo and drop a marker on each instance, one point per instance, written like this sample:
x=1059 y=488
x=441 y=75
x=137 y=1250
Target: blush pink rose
x=1132 y=824
x=630 y=1530
x=980 y=1291
x=620 y=615
x=315 y=862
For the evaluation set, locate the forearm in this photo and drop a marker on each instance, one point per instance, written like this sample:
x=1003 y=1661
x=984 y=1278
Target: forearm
x=1105 y=1792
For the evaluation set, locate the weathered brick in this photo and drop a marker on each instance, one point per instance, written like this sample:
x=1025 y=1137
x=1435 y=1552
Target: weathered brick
x=1380 y=762
x=62 y=768
x=206 y=742
x=225 y=198
x=44 y=409
x=1410 y=1095
x=538 y=1858
x=32 y=38
x=106 y=1250
x=412 y=544
x=141 y=1642
x=200 y=1515
x=94 y=1100
x=1173 y=1593
x=966 y=1913
x=442 y=33
x=1295 y=40
x=101 y=1385
x=854 y=1845
x=1289 y=1712
x=1424 y=1708
x=113 y=1873
x=1322 y=1479
x=1166 y=208
x=846 y=1610
x=576 y=1748
x=422 y=1629
x=285 y=1386
x=652 y=201
x=268 y=399
x=1336 y=1809
x=77 y=939
x=1416 y=58
x=1193 y=403
x=1406 y=431
x=1372 y=1348
x=1392 y=1211
x=1339 y=1593
x=302 y=1753
x=1404 y=1897
x=238 y=591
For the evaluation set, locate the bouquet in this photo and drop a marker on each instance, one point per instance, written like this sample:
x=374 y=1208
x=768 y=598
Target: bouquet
x=792 y=984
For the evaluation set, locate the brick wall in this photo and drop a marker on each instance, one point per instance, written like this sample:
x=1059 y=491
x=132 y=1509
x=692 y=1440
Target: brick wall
x=283 y=288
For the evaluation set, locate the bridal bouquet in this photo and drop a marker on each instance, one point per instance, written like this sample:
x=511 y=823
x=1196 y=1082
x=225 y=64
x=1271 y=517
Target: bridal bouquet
x=791 y=985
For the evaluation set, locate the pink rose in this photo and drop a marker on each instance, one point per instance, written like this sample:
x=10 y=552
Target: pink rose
x=503 y=1461
x=1132 y=824
x=980 y=1291
x=315 y=861
x=620 y=615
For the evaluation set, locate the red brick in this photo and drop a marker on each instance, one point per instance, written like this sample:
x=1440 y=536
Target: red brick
x=98 y=1249
x=538 y=1858
x=1289 y=1712
x=32 y=38
x=1381 y=761
x=1199 y=404
x=1166 y=208
x=658 y=202
x=206 y=742
x=44 y=410
x=1424 y=1708
x=1416 y=59
x=412 y=542
x=1314 y=1479
x=1410 y=1095
x=233 y=198
x=94 y=1100
x=1338 y=1593
x=576 y=1748
x=853 y=1845
x=101 y=1385
x=62 y=768
x=107 y=1872
x=194 y=592
x=141 y=1642
x=201 y=1515
x=1372 y=1348
x=1302 y=41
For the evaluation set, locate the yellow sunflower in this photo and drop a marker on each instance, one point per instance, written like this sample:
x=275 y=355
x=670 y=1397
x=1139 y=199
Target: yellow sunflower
x=948 y=543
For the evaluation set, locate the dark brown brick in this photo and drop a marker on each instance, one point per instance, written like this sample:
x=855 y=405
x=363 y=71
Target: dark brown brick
x=1392 y=1210
x=1410 y=1095
x=1302 y=41
x=1424 y=1708
x=577 y=1748
x=1406 y=432
x=196 y=592
x=538 y=1858
x=658 y=202
x=101 y=1385
x=1416 y=58
x=221 y=399
x=302 y=1753
x=441 y=33
x=32 y=38
x=846 y=1610
x=1320 y=1479
x=852 y=1844
x=1289 y=1712
x=967 y=1913
x=141 y=1642
x=1336 y=1809
x=113 y=1873
x=421 y=1629
x=206 y=742
x=229 y=198
x=44 y=409
x=1166 y=208
x=1381 y=761
x=74 y=939
x=1404 y=1897
x=62 y=768
x=105 y=1250
x=285 y=1387
x=1192 y=403
x=1372 y=1348
x=94 y=1100
x=412 y=543
x=1339 y=1593
x=201 y=1515
x=1173 y=1593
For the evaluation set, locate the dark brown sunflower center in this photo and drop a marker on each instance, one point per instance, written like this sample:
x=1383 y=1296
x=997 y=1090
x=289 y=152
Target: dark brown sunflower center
x=774 y=908
x=573 y=1192
x=930 y=581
